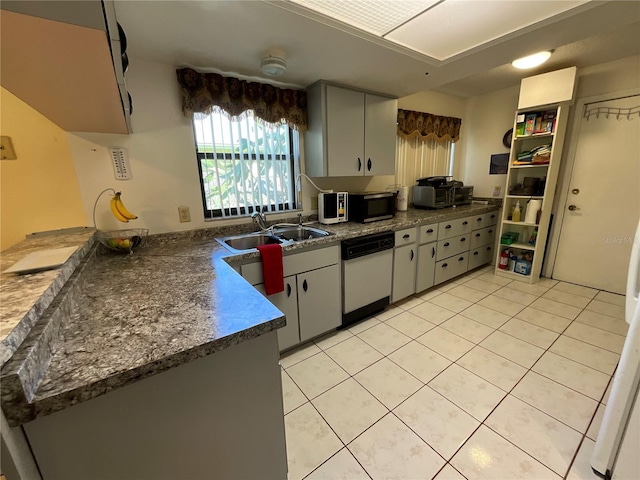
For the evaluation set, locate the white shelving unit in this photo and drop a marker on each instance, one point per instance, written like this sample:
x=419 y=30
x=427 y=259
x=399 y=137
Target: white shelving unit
x=516 y=174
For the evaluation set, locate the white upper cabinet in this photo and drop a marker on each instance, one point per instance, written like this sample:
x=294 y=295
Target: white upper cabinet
x=351 y=133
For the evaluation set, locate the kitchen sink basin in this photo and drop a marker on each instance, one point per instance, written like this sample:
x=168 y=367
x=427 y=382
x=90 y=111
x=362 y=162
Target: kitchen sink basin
x=250 y=241
x=297 y=234
x=282 y=235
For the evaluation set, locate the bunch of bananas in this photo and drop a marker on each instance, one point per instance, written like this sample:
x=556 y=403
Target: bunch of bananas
x=119 y=211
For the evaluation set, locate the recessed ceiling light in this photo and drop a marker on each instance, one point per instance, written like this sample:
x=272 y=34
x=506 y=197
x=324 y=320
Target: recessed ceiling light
x=531 y=61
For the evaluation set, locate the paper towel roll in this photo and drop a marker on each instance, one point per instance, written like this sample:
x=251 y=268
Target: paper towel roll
x=403 y=199
x=533 y=207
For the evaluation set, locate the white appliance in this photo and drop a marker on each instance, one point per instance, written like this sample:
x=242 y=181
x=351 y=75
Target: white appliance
x=332 y=207
x=615 y=454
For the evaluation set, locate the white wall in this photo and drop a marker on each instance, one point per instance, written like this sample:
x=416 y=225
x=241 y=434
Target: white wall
x=487 y=118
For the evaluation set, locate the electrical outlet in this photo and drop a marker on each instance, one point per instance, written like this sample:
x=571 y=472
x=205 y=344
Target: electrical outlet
x=183 y=214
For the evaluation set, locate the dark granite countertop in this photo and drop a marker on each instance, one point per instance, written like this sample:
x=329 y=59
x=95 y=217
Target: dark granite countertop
x=132 y=316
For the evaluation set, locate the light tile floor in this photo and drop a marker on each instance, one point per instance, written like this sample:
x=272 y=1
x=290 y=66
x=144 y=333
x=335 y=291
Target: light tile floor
x=480 y=378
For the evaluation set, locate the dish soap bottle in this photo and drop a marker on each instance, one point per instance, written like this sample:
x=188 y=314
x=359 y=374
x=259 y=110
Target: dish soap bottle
x=515 y=216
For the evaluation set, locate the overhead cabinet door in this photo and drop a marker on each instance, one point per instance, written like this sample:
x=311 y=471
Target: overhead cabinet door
x=345 y=133
x=380 y=135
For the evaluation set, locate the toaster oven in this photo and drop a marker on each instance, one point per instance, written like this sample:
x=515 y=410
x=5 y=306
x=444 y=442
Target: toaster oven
x=433 y=192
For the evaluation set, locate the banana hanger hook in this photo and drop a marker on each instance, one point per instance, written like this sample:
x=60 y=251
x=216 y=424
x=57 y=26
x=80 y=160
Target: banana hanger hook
x=95 y=204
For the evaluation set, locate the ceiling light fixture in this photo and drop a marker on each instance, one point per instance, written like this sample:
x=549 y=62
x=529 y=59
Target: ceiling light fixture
x=273 y=63
x=532 y=60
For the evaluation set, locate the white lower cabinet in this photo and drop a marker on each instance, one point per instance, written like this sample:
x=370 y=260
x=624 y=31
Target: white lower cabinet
x=451 y=267
x=405 y=260
x=319 y=301
x=287 y=303
x=426 y=266
x=480 y=256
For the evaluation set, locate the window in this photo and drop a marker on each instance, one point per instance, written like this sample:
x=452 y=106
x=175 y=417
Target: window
x=417 y=158
x=246 y=165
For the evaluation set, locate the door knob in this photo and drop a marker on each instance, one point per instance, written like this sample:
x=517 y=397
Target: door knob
x=573 y=208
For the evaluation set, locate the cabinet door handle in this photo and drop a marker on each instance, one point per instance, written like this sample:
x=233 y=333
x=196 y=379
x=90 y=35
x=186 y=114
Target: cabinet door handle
x=488 y=249
x=490 y=231
x=412 y=254
x=288 y=290
x=448 y=226
x=479 y=219
x=461 y=259
x=446 y=244
x=359 y=164
x=369 y=164
x=444 y=265
x=463 y=239
x=433 y=252
x=476 y=253
x=477 y=235
x=430 y=230
x=305 y=286
x=465 y=223
x=406 y=236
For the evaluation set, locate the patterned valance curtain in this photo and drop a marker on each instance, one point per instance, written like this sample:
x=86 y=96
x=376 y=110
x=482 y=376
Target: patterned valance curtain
x=207 y=92
x=427 y=126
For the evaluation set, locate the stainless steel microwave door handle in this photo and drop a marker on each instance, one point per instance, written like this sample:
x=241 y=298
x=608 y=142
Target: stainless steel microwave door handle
x=359 y=164
x=369 y=164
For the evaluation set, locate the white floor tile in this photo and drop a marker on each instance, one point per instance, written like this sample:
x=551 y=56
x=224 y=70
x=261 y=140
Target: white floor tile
x=573 y=289
x=482 y=286
x=576 y=376
x=493 y=278
x=516 y=296
x=292 y=396
x=432 y=312
x=333 y=338
x=389 y=383
x=557 y=308
x=390 y=450
x=473 y=394
x=419 y=361
x=445 y=343
x=445 y=287
x=342 y=466
x=449 y=473
x=467 y=293
x=538 y=336
x=595 y=336
x=611 y=298
x=390 y=311
x=440 y=423
x=501 y=305
x=563 y=404
x=349 y=409
x=466 y=328
x=544 y=438
x=498 y=370
x=316 y=374
x=384 y=338
x=354 y=355
x=298 y=354
x=616 y=311
x=581 y=468
x=310 y=441
x=568 y=298
x=429 y=294
x=522 y=353
x=546 y=282
x=411 y=325
x=366 y=324
x=409 y=303
x=451 y=302
x=543 y=319
x=488 y=456
x=535 y=289
x=604 y=322
x=589 y=355
x=594 y=428
x=487 y=316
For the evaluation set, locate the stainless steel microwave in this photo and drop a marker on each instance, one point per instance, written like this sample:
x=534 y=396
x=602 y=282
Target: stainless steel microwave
x=365 y=207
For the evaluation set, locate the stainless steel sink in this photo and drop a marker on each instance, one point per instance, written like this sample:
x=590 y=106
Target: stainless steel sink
x=297 y=234
x=249 y=241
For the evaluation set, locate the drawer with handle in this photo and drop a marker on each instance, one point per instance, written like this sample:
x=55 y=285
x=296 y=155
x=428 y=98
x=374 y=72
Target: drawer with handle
x=479 y=221
x=428 y=233
x=480 y=256
x=454 y=228
x=483 y=236
x=451 y=267
x=491 y=218
x=405 y=237
x=452 y=246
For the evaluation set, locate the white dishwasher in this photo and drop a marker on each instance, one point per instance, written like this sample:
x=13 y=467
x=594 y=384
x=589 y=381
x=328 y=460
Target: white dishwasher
x=367 y=273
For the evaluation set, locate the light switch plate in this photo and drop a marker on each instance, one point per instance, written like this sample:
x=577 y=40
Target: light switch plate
x=7 y=152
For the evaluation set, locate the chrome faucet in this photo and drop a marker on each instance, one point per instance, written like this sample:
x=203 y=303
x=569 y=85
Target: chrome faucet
x=261 y=219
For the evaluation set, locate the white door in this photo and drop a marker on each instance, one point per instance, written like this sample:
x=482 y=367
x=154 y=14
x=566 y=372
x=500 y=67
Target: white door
x=603 y=202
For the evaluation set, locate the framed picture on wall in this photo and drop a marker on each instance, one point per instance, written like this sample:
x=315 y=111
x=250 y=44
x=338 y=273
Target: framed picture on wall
x=499 y=163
